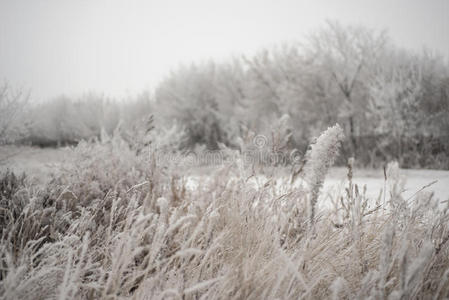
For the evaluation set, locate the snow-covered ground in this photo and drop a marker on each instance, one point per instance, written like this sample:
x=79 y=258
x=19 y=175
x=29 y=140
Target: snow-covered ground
x=415 y=180
x=37 y=162
x=42 y=162
x=435 y=181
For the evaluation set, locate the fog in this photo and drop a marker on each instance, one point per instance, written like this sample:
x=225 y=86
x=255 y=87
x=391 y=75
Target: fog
x=120 y=48
x=224 y=150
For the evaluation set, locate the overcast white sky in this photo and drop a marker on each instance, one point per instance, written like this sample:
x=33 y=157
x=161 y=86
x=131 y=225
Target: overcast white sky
x=121 y=47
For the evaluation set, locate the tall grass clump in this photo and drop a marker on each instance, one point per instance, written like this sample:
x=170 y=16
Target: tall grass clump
x=320 y=157
x=119 y=224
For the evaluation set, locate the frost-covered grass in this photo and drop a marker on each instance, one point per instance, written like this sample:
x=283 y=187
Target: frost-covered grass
x=113 y=224
x=41 y=163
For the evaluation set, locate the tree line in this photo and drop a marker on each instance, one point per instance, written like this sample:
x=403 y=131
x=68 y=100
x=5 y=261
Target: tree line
x=392 y=103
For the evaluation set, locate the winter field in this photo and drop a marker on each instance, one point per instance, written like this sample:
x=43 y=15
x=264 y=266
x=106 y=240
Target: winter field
x=311 y=169
x=40 y=163
x=100 y=221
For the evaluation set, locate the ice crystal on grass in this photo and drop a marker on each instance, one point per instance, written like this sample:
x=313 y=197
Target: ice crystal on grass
x=320 y=157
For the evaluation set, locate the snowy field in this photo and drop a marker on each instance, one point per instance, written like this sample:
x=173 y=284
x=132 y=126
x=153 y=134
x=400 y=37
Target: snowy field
x=374 y=181
x=40 y=163
x=218 y=233
x=36 y=162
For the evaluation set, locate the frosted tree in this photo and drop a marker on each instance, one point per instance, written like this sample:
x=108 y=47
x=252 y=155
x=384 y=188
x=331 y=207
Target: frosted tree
x=188 y=96
x=203 y=99
x=13 y=105
x=394 y=97
x=262 y=86
x=345 y=55
x=407 y=102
